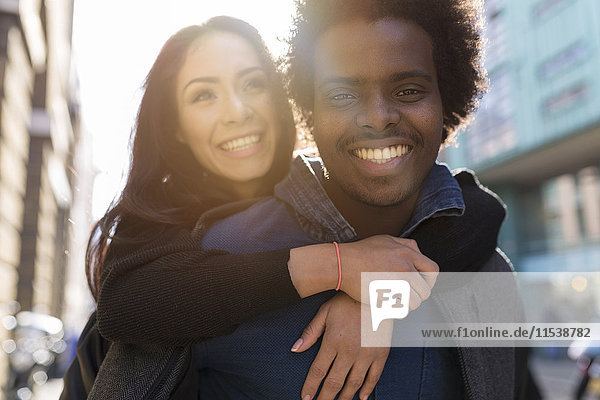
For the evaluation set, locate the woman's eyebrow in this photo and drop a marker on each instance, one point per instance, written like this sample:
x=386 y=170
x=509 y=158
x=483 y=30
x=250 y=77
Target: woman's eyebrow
x=248 y=70
x=208 y=79
x=211 y=79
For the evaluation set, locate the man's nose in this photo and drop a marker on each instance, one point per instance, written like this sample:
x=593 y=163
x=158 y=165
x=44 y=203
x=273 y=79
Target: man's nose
x=235 y=110
x=378 y=113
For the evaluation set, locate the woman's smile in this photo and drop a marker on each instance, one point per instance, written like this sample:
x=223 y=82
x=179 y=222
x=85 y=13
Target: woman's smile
x=226 y=112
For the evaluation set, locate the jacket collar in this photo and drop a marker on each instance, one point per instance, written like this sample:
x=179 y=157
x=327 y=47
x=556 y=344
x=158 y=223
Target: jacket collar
x=303 y=191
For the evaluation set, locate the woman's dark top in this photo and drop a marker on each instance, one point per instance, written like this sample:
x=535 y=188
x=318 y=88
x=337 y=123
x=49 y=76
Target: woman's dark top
x=170 y=291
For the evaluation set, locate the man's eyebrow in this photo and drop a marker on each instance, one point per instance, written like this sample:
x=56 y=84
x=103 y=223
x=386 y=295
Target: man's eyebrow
x=400 y=76
x=339 y=79
x=211 y=79
x=395 y=77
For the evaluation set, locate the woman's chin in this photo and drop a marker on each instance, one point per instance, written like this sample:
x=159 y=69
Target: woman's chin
x=251 y=167
x=242 y=183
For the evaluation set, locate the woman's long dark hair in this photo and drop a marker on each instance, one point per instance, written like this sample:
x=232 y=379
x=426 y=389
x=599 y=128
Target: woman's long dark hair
x=164 y=184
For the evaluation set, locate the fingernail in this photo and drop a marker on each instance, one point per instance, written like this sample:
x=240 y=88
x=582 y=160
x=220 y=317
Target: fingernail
x=365 y=397
x=295 y=347
x=307 y=397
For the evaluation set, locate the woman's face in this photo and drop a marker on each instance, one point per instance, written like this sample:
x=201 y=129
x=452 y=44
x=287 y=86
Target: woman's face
x=225 y=108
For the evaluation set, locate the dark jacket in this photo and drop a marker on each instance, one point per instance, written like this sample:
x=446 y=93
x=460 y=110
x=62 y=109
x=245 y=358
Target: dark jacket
x=169 y=368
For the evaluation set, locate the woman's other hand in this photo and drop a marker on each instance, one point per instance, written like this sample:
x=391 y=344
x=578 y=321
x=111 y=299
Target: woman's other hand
x=342 y=364
x=314 y=269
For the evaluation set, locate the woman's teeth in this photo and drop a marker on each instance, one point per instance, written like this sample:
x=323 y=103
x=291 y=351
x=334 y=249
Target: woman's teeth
x=240 y=143
x=382 y=155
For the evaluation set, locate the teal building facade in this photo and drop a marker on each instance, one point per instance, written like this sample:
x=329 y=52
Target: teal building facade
x=535 y=139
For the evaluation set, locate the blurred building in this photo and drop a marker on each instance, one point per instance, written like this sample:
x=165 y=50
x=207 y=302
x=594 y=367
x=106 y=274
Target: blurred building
x=39 y=119
x=536 y=137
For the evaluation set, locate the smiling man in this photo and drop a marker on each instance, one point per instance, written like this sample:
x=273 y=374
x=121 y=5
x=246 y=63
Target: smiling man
x=381 y=85
x=378 y=119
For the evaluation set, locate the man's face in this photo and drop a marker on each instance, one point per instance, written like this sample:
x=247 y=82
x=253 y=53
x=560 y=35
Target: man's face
x=377 y=110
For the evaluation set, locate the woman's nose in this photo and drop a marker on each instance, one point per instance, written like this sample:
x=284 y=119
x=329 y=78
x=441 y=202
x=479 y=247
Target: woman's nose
x=235 y=110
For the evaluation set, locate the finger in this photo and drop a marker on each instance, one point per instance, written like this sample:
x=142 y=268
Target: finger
x=415 y=300
x=422 y=263
x=312 y=332
x=419 y=285
x=430 y=278
x=428 y=269
x=317 y=371
x=371 y=379
x=354 y=381
x=425 y=264
x=411 y=243
x=335 y=379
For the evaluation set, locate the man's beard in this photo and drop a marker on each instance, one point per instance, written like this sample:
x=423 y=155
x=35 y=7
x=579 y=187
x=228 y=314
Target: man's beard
x=378 y=198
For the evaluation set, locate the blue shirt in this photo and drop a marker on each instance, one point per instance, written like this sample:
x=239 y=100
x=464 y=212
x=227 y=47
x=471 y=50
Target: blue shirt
x=255 y=361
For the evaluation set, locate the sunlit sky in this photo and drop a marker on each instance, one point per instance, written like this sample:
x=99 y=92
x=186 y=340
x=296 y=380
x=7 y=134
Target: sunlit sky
x=115 y=43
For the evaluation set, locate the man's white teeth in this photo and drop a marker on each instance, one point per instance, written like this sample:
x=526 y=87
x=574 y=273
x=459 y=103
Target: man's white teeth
x=240 y=143
x=383 y=155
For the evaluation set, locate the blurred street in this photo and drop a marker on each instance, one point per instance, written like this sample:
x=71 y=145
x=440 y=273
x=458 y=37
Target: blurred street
x=556 y=378
x=49 y=391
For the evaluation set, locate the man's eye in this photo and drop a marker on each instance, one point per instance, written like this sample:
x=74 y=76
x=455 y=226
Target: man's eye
x=408 y=92
x=204 y=95
x=342 y=96
x=409 y=95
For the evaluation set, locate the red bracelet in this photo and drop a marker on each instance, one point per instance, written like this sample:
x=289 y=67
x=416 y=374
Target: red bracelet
x=337 y=250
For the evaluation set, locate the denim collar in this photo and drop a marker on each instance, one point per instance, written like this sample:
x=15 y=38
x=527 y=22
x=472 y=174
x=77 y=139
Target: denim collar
x=303 y=191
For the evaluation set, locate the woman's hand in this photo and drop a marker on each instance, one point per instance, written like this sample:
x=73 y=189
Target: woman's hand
x=354 y=367
x=314 y=269
x=384 y=253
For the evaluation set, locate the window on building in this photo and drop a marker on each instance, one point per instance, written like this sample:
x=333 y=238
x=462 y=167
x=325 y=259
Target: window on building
x=563 y=60
x=589 y=200
x=565 y=99
x=546 y=7
x=492 y=131
x=571 y=208
x=497 y=50
x=493 y=8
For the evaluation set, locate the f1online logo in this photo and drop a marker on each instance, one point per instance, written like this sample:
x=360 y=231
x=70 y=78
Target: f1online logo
x=389 y=299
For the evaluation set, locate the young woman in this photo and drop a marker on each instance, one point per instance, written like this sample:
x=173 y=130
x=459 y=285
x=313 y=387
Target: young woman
x=214 y=127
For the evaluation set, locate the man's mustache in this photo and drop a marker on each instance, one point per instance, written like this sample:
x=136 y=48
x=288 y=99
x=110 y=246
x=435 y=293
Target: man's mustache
x=361 y=136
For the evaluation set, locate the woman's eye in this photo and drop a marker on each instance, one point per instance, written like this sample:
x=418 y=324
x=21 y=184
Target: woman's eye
x=204 y=95
x=256 y=83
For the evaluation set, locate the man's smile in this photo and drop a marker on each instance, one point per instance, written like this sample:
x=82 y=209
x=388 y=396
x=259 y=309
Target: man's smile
x=378 y=115
x=381 y=155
